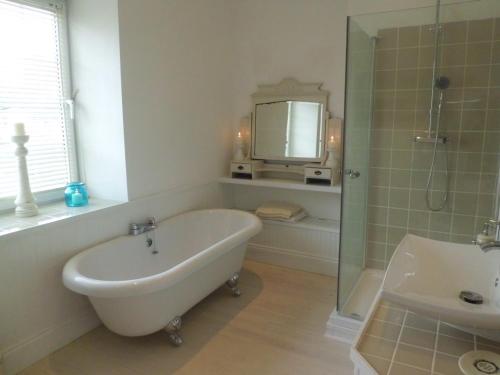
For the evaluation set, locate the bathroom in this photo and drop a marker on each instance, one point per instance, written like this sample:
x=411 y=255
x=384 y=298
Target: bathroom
x=159 y=103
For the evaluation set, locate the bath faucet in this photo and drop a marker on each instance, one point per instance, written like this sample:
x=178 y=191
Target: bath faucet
x=136 y=229
x=485 y=240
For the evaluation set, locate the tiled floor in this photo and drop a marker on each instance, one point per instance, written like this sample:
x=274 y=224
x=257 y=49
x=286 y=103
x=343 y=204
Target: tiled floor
x=399 y=342
x=276 y=327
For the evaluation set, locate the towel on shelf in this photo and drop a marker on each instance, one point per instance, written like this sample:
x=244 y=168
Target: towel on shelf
x=299 y=216
x=284 y=211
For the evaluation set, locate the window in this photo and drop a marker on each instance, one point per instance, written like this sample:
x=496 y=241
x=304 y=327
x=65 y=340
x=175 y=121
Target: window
x=34 y=89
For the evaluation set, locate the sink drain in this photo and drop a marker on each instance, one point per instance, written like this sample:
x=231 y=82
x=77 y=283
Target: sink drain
x=486 y=367
x=471 y=297
x=479 y=362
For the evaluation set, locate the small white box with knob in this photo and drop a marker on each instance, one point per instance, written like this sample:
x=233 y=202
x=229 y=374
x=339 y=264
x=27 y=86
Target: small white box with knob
x=247 y=169
x=318 y=174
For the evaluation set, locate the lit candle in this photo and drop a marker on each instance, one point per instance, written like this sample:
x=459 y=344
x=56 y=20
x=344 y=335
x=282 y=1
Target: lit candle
x=19 y=129
x=238 y=156
x=239 y=139
x=331 y=142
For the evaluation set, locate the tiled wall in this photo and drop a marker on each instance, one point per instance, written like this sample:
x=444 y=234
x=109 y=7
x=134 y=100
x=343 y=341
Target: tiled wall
x=470 y=57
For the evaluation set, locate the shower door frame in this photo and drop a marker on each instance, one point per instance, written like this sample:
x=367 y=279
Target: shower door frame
x=366 y=187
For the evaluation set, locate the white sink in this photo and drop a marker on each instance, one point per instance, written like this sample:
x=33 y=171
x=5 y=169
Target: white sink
x=427 y=277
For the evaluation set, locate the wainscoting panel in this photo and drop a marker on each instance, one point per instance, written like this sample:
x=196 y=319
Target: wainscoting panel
x=295 y=246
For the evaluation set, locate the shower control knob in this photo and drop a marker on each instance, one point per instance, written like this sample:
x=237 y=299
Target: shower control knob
x=352 y=174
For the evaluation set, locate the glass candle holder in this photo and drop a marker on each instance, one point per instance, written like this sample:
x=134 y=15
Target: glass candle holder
x=76 y=194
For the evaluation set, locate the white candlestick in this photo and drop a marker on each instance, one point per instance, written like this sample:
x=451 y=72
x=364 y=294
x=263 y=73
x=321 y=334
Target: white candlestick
x=332 y=160
x=238 y=155
x=25 y=201
x=19 y=129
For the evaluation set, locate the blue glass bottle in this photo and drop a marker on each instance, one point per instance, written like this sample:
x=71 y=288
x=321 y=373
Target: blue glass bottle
x=76 y=194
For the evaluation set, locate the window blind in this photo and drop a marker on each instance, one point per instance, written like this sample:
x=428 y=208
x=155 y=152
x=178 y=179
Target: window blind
x=33 y=89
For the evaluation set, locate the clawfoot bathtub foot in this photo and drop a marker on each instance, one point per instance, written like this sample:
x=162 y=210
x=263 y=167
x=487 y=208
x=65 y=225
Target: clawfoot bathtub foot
x=172 y=330
x=232 y=283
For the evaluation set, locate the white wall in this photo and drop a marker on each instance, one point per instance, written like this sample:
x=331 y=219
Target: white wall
x=177 y=96
x=305 y=40
x=176 y=88
x=95 y=63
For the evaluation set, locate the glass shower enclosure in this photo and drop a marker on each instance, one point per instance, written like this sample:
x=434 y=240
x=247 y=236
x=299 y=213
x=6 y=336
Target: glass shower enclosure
x=422 y=134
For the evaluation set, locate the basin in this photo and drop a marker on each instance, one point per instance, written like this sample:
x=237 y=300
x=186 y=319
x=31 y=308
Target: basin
x=427 y=276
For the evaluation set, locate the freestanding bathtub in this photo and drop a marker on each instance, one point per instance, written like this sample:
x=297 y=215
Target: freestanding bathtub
x=141 y=284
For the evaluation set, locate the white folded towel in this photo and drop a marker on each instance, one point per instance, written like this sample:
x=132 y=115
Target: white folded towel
x=293 y=219
x=278 y=210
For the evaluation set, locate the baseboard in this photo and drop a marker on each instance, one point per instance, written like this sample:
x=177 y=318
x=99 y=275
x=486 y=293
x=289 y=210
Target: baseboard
x=292 y=259
x=26 y=353
x=342 y=328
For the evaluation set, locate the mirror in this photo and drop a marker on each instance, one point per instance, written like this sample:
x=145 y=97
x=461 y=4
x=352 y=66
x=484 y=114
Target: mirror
x=288 y=122
x=290 y=129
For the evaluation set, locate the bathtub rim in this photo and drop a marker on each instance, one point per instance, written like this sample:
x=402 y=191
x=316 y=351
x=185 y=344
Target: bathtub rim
x=75 y=281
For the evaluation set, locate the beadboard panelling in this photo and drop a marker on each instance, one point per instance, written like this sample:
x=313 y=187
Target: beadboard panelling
x=307 y=249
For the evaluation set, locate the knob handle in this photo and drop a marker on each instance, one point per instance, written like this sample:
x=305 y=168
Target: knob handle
x=352 y=174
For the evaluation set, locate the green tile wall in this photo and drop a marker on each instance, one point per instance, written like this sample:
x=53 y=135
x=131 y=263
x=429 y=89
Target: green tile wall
x=470 y=57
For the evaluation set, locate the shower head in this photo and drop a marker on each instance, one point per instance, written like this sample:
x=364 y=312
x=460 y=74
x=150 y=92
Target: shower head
x=442 y=83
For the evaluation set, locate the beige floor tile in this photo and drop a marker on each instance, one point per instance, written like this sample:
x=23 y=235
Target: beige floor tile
x=424 y=339
x=446 y=365
x=384 y=330
x=377 y=347
x=398 y=369
x=417 y=321
x=390 y=315
x=380 y=365
x=415 y=350
x=276 y=327
x=448 y=330
x=413 y=356
x=453 y=346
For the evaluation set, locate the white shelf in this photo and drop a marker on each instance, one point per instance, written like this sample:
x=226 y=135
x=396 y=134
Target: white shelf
x=309 y=222
x=281 y=184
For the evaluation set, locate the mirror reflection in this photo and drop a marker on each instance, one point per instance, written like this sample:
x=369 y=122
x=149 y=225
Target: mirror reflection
x=288 y=129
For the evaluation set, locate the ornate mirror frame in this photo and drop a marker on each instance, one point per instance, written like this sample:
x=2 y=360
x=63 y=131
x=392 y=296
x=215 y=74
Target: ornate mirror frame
x=290 y=89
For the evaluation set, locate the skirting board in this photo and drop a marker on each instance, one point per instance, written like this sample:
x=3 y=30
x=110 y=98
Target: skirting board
x=28 y=352
x=342 y=328
x=292 y=259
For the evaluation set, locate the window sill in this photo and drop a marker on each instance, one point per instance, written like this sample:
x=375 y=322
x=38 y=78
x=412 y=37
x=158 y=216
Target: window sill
x=50 y=213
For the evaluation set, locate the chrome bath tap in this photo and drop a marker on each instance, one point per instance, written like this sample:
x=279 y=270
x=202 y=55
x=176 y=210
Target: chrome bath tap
x=488 y=241
x=136 y=229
